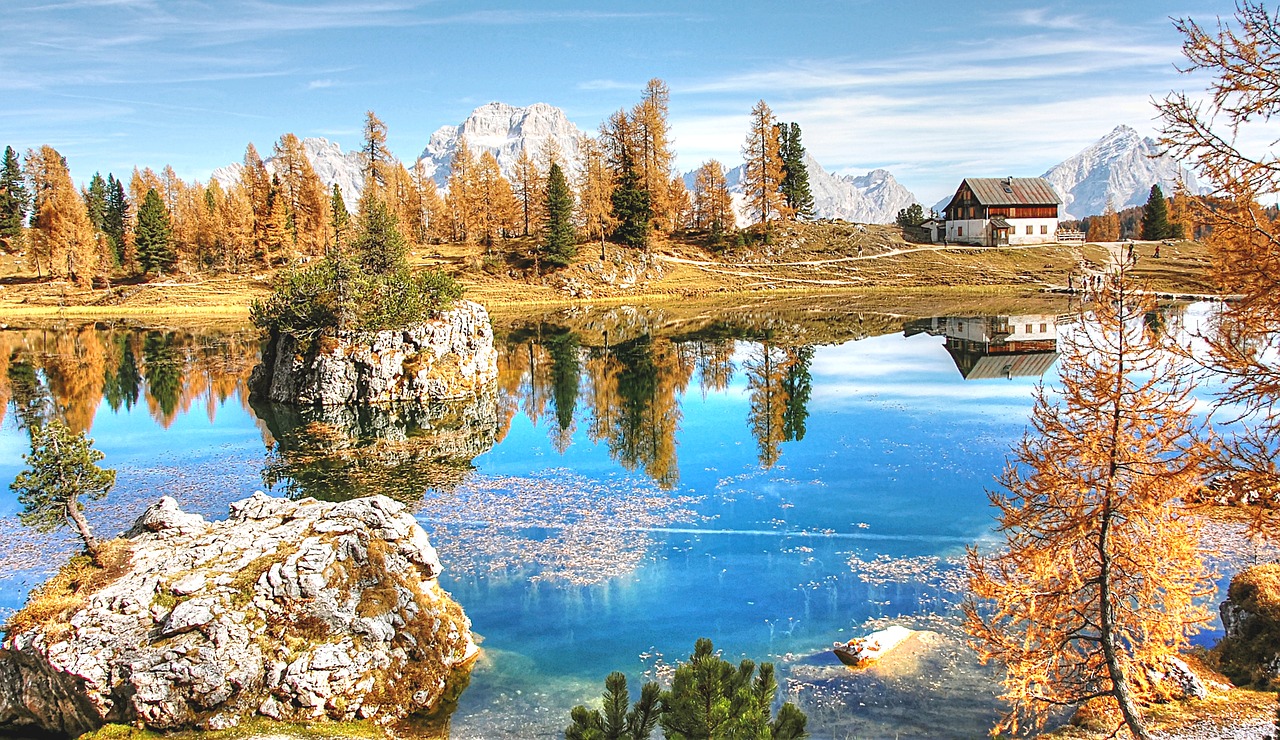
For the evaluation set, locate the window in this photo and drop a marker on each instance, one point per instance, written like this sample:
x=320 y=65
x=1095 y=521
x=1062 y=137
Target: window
x=1028 y=328
x=1044 y=229
x=1029 y=229
x=1044 y=328
x=959 y=231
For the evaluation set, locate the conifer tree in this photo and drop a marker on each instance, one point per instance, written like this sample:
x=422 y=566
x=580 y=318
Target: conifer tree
x=462 y=196
x=61 y=470
x=425 y=203
x=652 y=151
x=304 y=197
x=115 y=217
x=496 y=209
x=1155 y=216
x=275 y=229
x=1105 y=228
x=710 y=698
x=762 y=172
x=339 y=220
x=631 y=211
x=377 y=158
x=712 y=204
x=526 y=182
x=795 y=172
x=95 y=201
x=558 y=243
x=14 y=201
x=595 y=188
x=153 y=236
x=379 y=247
x=62 y=235
x=1100 y=576
x=257 y=186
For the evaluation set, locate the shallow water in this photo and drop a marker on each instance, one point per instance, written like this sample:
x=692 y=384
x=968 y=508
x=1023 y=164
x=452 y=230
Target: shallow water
x=623 y=491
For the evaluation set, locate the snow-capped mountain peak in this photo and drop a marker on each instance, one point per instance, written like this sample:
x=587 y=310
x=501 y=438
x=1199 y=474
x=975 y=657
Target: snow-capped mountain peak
x=1122 y=166
x=504 y=130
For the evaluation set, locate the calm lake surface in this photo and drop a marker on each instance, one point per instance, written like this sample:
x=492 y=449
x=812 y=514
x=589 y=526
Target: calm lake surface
x=631 y=484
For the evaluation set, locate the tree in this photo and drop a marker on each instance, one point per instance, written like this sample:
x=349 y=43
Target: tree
x=1155 y=216
x=339 y=219
x=712 y=204
x=912 y=215
x=631 y=211
x=462 y=198
x=595 y=192
x=1100 y=571
x=709 y=698
x=115 y=217
x=379 y=246
x=374 y=154
x=795 y=172
x=1105 y=228
x=153 y=237
x=14 y=201
x=95 y=201
x=496 y=209
x=61 y=470
x=257 y=186
x=61 y=232
x=527 y=183
x=306 y=207
x=558 y=243
x=762 y=167
x=1242 y=61
x=652 y=151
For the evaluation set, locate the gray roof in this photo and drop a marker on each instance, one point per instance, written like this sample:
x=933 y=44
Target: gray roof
x=1013 y=191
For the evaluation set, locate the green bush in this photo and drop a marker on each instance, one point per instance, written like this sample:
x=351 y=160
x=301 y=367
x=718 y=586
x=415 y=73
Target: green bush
x=709 y=698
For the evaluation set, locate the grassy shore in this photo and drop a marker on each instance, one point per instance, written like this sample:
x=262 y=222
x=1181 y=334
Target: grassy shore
x=834 y=261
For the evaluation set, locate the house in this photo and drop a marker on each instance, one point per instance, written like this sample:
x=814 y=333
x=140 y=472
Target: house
x=986 y=347
x=997 y=211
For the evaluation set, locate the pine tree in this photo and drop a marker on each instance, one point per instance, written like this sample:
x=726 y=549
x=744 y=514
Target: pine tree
x=795 y=172
x=620 y=719
x=631 y=211
x=14 y=202
x=379 y=247
x=1155 y=216
x=339 y=220
x=1105 y=228
x=762 y=173
x=153 y=236
x=558 y=243
x=61 y=470
x=1100 y=576
x=114 y=218
x=912 y=215
x=95 y=201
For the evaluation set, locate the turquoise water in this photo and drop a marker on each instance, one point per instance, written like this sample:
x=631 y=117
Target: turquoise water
x=613 y=501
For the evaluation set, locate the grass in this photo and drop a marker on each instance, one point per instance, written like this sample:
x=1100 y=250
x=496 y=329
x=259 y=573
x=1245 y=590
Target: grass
x=51 y=604
x=255 y=727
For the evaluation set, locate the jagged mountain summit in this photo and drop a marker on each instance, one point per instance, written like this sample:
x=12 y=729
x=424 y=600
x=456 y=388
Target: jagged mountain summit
x=331 y=164
x=873 y=198
x=1121 y=166
x=504 y=130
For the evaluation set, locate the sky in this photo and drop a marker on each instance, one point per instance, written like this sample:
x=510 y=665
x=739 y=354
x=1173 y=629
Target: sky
x=932 y=91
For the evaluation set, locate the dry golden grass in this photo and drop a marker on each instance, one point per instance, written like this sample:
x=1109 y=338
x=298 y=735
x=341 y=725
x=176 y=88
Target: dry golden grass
x=54 y=601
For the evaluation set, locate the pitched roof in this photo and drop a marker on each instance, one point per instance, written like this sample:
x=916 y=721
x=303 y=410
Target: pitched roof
x=1013 y=191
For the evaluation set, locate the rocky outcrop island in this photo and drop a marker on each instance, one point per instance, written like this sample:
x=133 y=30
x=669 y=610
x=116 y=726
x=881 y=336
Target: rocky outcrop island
x=293 y=610
x=449 y=356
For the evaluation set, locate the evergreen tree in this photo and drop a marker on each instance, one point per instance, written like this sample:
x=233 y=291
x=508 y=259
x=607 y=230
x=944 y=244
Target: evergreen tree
x=60 y=470
x=154 y=234
x=558 y=243
x=339 y=218
x=710 y=698
x=95 y=201
x=1155 y=216
x=114 y=217
x=14 y=201
x=631 y=210
x=795 y=173
x=379 y=247
x=617 y=722
x=912 y=215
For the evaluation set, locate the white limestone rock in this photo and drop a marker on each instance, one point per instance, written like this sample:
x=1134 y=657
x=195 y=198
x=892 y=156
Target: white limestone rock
x=295 y=610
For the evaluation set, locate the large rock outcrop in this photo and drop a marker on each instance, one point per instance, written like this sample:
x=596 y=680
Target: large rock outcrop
x=451 y=356
x=1250 y=646
x=296 y=610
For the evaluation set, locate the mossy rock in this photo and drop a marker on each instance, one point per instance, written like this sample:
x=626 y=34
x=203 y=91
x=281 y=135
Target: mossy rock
x=1250 y=650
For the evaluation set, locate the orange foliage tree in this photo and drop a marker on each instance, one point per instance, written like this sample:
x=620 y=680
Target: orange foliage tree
x=1099 y=573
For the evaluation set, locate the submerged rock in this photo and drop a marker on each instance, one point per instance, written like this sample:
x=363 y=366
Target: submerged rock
x=451 y=356
x=862 y=651
x=295 y=610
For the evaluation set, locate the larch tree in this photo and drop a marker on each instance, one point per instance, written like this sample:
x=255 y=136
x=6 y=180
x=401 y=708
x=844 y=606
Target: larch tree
x=257 y=186
x=762 y=171
x=462 y=198
x=1227 y=138
x=595 y=192
x=14 y=201
x=236 y=215
x=795 y=172
x=652 y=151
x=1099 y=575
x=681 y=204
x=304 y=196
x=339 y=221
x=374 y=154
x=153 y=236
x=62 y=234
x=426 y=202
x=1105 y=228
x=526 y=182
x=558 y=243
x=275 y=242
x=496 y=208
x=712 y=204
x=61 y=470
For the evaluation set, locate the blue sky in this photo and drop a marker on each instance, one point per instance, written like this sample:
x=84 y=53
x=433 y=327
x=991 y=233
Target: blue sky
x=933 y=91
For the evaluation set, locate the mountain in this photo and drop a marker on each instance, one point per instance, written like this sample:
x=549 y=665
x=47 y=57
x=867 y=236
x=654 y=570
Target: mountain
x=332 y=166
x=873 y=198
x=1122 y=166
x=504 y=130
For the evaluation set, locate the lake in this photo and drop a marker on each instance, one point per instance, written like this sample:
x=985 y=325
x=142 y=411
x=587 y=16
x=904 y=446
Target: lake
x=636 y=480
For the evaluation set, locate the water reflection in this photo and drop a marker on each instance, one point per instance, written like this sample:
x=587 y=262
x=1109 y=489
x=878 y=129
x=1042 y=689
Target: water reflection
x=335 y=453
x=987 y=347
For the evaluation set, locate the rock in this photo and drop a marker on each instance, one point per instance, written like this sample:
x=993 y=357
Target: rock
x=451 y=356
x=862 y=651
x=294 y=610
x=1250 y=645
x=1176 y=681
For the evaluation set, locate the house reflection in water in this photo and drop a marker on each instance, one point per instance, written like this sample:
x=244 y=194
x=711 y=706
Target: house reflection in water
x=986 y=347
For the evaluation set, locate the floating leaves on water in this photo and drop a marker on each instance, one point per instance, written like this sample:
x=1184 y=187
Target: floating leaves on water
x=555 y=526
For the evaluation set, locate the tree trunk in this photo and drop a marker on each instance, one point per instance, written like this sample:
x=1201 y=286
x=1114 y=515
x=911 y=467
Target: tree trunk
x=82 y=526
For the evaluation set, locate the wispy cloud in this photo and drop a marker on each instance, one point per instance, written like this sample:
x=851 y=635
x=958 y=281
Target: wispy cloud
x=320 y=84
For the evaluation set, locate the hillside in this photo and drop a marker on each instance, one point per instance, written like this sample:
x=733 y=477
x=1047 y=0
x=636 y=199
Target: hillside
x=827 y=258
